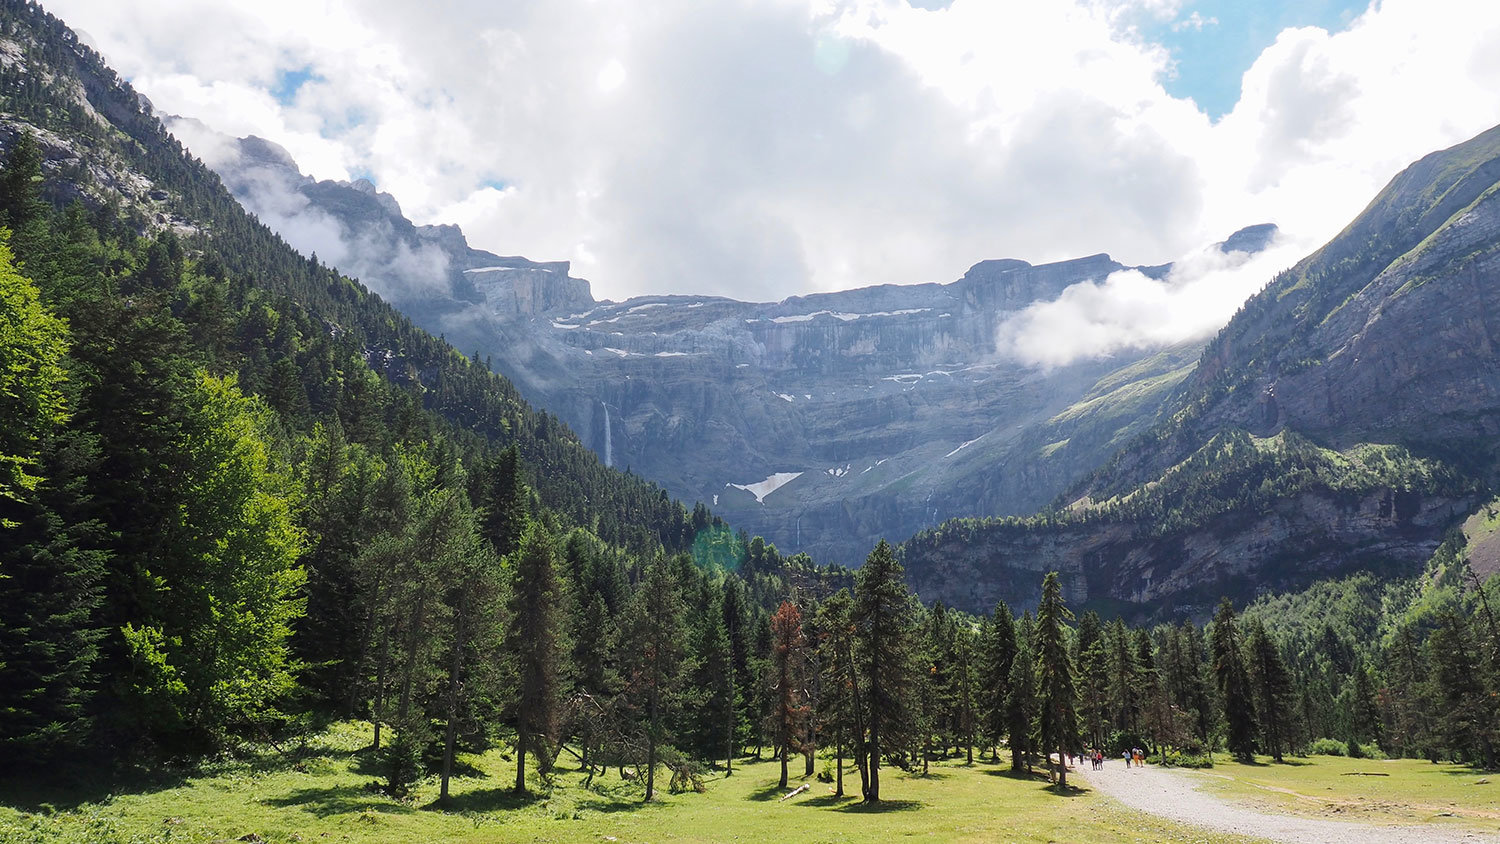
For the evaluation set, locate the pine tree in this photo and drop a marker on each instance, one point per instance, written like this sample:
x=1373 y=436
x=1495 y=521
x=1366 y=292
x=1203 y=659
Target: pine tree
x=1124 y=680
x=999 y=654
x=1057 y=694
x=1021 y=701
x=650 y=649
x=884 y=645
x=1093 y=680
x=1275 y=694
x=1470 y=721
x=838 y=706
x=1364 y=719
x=535 y=639
x=1234 y=682
x=472 y=599
x=504 y=501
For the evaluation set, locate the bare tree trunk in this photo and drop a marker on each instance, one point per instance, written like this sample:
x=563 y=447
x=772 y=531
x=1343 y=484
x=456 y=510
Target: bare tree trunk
x=838 y=790
x=413 y=639
x=378 y=713
x=729 y=736
x=456 y=670
x=521 y=741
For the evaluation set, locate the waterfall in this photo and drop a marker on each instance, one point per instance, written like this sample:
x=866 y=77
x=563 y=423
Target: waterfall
x=609 y=443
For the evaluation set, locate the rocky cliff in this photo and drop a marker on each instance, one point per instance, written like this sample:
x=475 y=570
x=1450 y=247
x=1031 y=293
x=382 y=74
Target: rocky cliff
x=822 y=422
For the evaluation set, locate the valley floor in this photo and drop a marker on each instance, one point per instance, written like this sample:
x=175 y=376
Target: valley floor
x=1376 y=802
x=321 y=794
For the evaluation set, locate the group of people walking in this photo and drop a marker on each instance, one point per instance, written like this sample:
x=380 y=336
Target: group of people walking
x=1134 y=757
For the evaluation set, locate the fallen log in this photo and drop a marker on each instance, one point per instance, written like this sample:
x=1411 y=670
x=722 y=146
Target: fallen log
x=794 y=792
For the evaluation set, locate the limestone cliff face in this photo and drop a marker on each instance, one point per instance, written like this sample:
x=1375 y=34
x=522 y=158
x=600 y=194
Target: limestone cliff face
x=822 y=422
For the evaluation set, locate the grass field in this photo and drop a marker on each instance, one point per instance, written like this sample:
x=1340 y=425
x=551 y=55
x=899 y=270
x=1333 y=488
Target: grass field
x=323 y=796
x=1363 y=790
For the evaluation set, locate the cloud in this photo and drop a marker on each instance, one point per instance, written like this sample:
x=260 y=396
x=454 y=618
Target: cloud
x=366 y=244
x=763 y=148
x=1129 y=310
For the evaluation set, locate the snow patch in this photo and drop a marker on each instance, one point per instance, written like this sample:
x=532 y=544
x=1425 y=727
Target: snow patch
x=846 y=317
x=565 y=327
x=767 y=486
x=785 y=397
x=507 y=270
x=909 y=378
x=621 y=352
x=839 y=471
x=671 y=354
x=964 y=446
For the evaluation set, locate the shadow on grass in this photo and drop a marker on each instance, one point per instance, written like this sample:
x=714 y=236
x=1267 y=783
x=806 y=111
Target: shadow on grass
x=487 y=800
x=1009 y=774
x=1070 y=791
x=771 y=792
x=863 y=808
x=613 y=806
x=66 y=789
x=336 y=800
x=826 y=800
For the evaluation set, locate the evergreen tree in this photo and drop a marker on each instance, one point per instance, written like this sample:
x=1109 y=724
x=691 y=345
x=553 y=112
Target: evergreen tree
x=650 y=650
x=839 y=705
x=536 y=640
x=1273 y=686
x=999 y=654
x=1364 y=719
x=884 y=643
x=1021 y=701
x=1470 y=720
x=1234 y=682
x=1093 y=680
x=504 y=501
x=472 y=574
x=1057 y=694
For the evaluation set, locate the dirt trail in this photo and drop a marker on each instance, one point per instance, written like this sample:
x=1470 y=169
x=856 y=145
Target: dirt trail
x=1175 y=796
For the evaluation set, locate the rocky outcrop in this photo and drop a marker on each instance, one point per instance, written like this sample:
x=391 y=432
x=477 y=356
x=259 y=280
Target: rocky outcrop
x=1125 y=567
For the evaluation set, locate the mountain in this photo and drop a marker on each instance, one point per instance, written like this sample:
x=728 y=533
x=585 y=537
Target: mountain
x=102 y=145
x=1345 y=419
x=822 y=422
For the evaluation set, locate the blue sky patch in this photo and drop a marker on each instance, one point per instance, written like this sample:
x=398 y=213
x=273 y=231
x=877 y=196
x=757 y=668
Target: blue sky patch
x=1215 y=41
x=289 y=82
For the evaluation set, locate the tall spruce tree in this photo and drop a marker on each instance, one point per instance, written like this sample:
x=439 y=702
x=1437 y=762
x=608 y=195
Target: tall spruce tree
x=1275 y=694
x=536 y=640
x=838 y=706
x=884 y=640
x=1020 y=701
x=1234 y=682
x=1057 y=693
x=650 y=650
x=999 y=654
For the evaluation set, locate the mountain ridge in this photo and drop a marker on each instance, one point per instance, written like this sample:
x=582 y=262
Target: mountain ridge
x=887 y=407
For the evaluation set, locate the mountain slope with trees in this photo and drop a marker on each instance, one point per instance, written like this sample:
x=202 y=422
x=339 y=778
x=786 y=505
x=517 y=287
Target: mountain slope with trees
x=1345 y=419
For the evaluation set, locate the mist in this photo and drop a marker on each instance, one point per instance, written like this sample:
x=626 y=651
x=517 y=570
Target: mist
x=1128 y=310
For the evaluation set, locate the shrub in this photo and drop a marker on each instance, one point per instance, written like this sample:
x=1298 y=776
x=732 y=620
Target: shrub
x=1328 y=747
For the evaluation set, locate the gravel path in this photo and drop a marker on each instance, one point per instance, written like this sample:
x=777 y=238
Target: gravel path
x=1176 y=797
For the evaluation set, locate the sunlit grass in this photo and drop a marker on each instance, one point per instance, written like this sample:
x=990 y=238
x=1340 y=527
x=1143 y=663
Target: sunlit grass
x=1365 y=790
x=323 y=794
